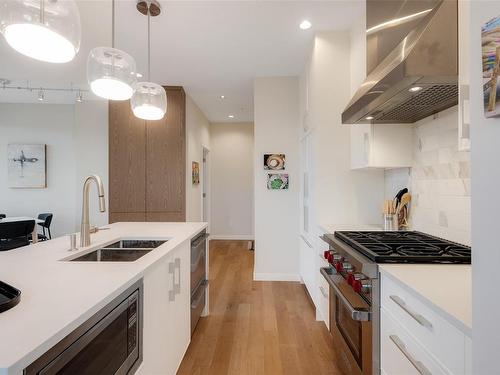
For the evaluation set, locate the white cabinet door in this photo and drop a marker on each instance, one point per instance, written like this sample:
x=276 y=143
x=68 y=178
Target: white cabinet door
x=180 y=306
x=167 y=328
x=308 y=266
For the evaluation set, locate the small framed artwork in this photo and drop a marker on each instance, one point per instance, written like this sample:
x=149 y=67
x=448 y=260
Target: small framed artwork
x=277 y=181
x=274 y=162
x=490 y=40
x=196 y=173
x=26 y=166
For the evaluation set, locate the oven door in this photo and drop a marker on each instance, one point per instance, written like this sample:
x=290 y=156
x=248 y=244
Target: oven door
x=351 y=327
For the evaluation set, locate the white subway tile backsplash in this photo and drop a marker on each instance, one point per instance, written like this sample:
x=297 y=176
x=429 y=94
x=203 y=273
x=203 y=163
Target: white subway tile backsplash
x=439 y=180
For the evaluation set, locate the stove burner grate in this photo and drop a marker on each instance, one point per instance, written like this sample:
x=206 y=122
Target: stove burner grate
x=405 y=247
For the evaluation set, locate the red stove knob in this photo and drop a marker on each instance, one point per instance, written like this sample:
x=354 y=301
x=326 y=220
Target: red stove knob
x=339 y=267
x=350 y=278
x=326 y=254
x=357 y=286
x=330 y=258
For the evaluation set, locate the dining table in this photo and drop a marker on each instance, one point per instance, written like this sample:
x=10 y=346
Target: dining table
x=34 y=235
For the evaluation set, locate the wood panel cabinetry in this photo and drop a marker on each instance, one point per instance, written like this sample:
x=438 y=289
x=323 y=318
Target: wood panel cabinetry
x=147 y=162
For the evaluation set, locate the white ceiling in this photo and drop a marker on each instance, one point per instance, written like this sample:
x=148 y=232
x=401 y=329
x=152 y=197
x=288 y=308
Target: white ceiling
x=211 y=48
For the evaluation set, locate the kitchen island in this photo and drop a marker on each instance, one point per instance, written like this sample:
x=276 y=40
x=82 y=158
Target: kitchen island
x=59 y=295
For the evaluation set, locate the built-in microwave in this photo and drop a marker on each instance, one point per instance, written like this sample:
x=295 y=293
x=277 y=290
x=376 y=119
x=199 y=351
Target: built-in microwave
x=110 y=342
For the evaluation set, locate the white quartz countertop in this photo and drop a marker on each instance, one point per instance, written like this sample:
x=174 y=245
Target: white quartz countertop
x=448 y=288
x=57 y=296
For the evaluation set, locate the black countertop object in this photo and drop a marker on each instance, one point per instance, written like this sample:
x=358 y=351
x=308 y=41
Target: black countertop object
x=9 y=296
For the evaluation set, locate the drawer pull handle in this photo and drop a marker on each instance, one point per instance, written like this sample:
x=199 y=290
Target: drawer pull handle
x=419 y=366
x=419 y=318
x=323 y=291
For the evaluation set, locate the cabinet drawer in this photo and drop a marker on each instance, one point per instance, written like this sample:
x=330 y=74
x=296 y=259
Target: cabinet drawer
x=400 y=353
x=439 y=337
x=323 y=299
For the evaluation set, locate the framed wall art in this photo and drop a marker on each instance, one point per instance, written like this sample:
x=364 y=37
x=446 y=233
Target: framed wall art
x=26 y=166
x=274 y=162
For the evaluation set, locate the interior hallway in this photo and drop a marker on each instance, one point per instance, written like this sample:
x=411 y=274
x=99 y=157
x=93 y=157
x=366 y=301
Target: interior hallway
x=256 y=327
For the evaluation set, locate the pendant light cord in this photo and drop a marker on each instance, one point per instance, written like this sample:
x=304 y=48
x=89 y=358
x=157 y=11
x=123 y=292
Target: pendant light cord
x=42 y=11
x=113 y=23
x=149 y=43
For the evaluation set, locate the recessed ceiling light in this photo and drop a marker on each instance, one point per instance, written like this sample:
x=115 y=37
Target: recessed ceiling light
x=138 y=75
x=415 y=89
x=231 y=116
x=369 y=117
x=222 y=96
x=304 y=25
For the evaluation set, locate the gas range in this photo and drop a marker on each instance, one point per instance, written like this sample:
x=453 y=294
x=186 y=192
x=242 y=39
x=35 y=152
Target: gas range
x=353 y=277
x=355 y=254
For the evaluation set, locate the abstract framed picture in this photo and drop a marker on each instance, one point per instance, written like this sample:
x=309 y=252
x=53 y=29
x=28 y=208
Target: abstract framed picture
x=277 y=181
x=196 y=173
x=274 y=162
x=26 y=166
x=490 y=41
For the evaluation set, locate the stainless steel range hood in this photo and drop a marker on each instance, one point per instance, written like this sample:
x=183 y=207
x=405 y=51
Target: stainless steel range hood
x=412 y=62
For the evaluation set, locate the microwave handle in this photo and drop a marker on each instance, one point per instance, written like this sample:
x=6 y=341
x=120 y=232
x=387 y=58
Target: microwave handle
x=68 y=354
x=361 y=315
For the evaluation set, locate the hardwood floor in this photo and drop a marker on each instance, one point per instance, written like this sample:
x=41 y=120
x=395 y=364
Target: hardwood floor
x=256 y=327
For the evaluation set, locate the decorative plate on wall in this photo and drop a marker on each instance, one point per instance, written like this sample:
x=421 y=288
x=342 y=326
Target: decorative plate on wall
x=274 y=161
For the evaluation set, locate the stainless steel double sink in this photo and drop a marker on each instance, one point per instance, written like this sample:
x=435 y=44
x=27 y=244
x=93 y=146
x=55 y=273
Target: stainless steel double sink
x=126 y=250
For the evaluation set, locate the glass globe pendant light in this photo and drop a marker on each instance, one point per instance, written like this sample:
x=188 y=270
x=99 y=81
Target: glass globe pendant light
x=111 y=72
x=45 y=30
x=149 y=101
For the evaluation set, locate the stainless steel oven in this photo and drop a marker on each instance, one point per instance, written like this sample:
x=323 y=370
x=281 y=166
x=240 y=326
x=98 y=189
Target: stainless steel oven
x=354 y=308
x=110 y=342
x=350 y=325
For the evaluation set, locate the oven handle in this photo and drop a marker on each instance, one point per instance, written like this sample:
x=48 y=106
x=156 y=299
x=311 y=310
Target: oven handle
x=419 y=366
x=361 y=315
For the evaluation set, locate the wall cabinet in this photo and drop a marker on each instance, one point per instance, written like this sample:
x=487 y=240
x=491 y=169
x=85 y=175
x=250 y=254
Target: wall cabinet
x=381 y=146
x=147 y=162
x=167 y=324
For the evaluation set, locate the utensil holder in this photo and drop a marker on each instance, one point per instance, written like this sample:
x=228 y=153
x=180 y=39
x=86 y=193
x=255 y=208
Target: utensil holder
x=390 y=222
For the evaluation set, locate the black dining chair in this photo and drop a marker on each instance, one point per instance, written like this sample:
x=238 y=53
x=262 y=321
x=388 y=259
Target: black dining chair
x=47 y=220
x=15 y=234
x=3 y=216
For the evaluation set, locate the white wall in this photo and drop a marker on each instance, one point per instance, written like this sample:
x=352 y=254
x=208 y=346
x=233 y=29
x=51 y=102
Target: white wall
x=52 y=124
x=485 y=156
x=276 y=116
x=91 y=150
x=232 y=180
x=439 y=179
x=342 y=196
x=197 y=137
x=77 y=145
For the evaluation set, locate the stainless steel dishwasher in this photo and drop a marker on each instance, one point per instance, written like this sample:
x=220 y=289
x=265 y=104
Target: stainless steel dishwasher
x=199 y=280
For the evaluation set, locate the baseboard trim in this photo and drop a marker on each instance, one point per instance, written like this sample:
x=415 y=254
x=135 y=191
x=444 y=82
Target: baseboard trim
x=243 y=237
x=275 y=277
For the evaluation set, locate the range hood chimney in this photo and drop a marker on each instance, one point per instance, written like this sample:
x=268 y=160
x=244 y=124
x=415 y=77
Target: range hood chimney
x=412 y=62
